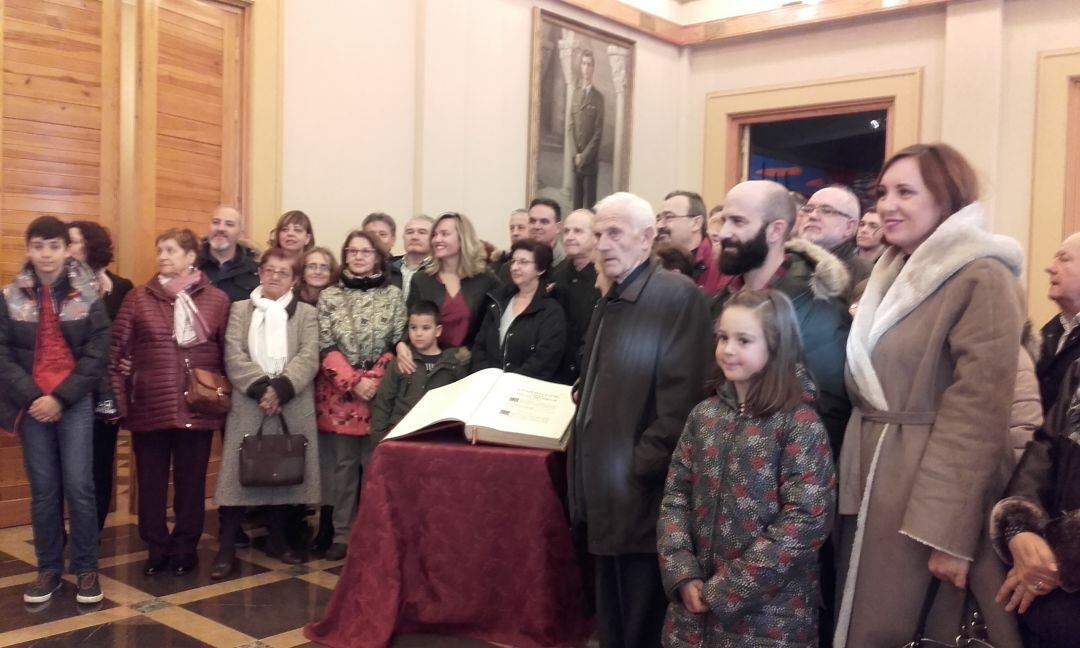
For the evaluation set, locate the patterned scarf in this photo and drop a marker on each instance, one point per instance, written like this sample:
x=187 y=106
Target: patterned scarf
x=189 y=328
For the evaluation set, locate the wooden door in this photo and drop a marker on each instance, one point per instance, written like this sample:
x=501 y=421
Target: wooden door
x=190 y=113
x=59 y=144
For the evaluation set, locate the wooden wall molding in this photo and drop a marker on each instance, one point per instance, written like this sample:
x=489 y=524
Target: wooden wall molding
x=787 y=17
x=1055 y=199
x=726 y=113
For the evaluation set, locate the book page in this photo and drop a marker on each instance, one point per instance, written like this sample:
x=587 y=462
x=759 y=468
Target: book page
x=454 y=402
x=517 y=404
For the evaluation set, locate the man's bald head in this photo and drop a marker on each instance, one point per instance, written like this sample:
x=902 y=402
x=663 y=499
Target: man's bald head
x=1064 y=271
x=830 y=217
x=226 y=226
x=767 y=199
x=757 y=217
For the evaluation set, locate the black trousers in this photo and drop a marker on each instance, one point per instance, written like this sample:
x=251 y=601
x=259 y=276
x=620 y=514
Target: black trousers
x=104 y=457
x=188 y=452
x=630 y=600
x=584 y=190
x=1052 y=621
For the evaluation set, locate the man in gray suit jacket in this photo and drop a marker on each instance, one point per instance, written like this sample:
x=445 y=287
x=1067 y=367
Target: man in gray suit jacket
x=587 y=125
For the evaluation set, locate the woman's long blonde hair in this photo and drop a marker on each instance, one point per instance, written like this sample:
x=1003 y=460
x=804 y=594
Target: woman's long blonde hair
x=471 y=256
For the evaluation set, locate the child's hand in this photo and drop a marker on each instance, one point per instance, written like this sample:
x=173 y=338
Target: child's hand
x=690 y=592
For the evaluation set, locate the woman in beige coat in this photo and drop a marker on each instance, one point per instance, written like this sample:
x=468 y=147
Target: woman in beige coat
x=271 y=357
x=931 y=365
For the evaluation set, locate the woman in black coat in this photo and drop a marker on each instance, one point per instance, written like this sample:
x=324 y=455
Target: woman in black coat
x=92 y=244
x=1036 y=527
x=524 y=329
x=457 y=279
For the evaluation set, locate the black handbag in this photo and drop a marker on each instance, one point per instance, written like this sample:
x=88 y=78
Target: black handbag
x=272 y=459
x=972 y=633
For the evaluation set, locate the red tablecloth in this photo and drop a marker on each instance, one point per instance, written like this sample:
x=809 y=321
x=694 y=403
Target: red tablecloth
x=458 y=540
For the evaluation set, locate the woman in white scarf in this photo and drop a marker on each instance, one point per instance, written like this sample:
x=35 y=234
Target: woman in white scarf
x=271 y=357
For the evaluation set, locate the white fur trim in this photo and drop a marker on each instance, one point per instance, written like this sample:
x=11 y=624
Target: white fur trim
x=843 y=620
x=896 y=287
x=935 y=547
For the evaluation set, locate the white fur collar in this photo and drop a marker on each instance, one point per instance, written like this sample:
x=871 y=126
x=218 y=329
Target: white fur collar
x=896 y=287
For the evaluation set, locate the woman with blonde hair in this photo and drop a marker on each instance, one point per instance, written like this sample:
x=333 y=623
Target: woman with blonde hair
x=457 y=280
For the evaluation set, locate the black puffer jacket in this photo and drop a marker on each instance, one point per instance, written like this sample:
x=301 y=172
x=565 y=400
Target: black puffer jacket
x=1044 y=493
x=83 y=323
x=534 y=343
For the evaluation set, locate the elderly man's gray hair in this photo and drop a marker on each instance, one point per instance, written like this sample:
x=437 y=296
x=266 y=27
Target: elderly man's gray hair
x=635 y=208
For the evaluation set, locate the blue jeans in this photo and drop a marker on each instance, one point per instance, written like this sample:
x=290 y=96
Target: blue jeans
x=62 y=453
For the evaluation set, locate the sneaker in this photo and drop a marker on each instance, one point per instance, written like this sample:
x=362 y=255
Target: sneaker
x=42 y=590
x=89 y=588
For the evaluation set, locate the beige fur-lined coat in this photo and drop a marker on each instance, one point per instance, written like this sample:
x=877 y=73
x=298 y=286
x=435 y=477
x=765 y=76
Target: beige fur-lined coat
x=932 y=360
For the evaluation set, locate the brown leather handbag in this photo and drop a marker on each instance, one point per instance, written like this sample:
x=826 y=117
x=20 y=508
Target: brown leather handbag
x=207 y=392
x=272 y=459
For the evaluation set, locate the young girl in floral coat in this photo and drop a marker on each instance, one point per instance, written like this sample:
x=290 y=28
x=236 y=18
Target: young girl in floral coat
x=750 y=494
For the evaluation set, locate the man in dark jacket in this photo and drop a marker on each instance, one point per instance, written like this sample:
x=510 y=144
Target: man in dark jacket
x=830 y=219
x=758 y=216
x=230 y=266
x=757 y=219
x=54 y=347
x=574 y=283
x=1061 y=335
x=647 y=352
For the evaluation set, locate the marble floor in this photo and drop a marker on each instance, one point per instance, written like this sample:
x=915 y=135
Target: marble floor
x=263 y=605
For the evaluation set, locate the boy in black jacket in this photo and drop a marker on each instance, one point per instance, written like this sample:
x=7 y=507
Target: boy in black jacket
x=54 y=347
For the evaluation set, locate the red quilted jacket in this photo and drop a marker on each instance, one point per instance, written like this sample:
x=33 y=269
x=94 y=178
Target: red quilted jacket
x=152 y=397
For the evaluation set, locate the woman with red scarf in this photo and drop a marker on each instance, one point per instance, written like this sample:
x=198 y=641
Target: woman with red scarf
x=176 y=321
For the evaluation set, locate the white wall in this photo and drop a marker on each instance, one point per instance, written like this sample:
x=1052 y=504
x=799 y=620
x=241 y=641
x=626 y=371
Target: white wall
x=911 y=40
x=349 y=110
x=423 y=105
x=1031 y=26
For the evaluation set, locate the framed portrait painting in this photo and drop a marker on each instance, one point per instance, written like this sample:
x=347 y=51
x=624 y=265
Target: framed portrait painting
x=580 y=110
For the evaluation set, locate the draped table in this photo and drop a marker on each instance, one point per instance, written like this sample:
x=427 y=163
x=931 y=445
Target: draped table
x=461 y=540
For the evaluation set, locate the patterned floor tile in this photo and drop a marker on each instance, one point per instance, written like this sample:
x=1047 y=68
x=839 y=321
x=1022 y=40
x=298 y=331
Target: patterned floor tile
x=266 y=610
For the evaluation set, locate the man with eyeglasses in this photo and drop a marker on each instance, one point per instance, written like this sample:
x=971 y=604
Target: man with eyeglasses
x=831 y=219
x=681 y=222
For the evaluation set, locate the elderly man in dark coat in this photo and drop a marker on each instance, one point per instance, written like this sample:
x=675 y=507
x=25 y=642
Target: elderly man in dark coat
x=647 y=353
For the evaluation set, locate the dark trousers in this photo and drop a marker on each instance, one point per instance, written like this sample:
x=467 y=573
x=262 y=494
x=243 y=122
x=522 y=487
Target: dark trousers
x=104 y=457
x=188 y=451
x=1052 y=621
x=584 y=190
x=630 y=601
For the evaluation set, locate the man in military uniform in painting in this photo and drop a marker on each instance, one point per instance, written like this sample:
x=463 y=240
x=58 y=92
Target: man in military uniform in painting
x=586 y=125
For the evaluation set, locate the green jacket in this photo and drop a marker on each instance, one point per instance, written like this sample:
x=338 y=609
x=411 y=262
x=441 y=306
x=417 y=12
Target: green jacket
x=399 y=393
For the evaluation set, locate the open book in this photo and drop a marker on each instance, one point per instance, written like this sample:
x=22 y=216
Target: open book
x=496 y=407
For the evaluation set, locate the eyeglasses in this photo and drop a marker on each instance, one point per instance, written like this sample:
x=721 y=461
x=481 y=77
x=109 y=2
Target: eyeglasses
x=664 y=217
x=317 y=267
x=359 y=252
x=825 y=210
x=276 y=272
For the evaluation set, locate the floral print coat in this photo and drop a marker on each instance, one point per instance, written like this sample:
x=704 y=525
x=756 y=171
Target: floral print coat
x=357 y=330
x=747 y=506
